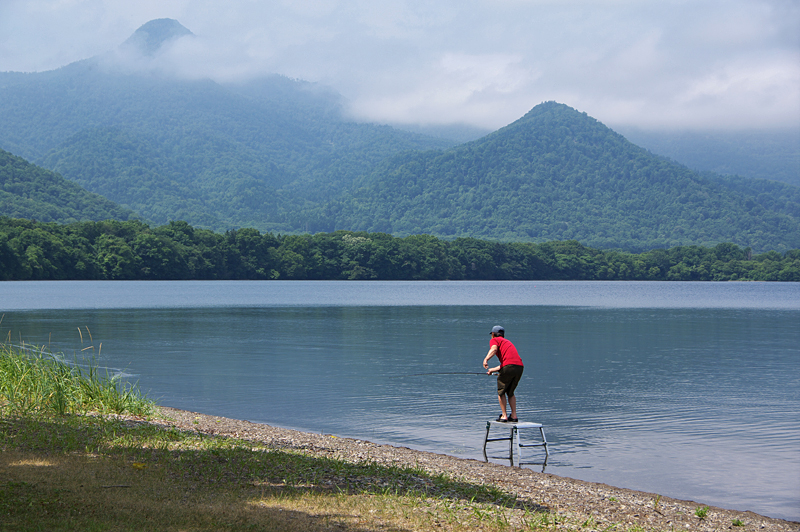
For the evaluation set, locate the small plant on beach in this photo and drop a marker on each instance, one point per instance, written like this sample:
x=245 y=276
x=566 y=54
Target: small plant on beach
x=702 y=512
x=738 y=522
x=656 y=501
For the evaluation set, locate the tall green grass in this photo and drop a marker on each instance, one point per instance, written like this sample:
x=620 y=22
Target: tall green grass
x=33 y=380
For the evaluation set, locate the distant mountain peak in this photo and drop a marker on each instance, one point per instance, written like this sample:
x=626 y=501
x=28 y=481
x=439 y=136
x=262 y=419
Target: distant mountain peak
x=554 y=109
x=151 y=36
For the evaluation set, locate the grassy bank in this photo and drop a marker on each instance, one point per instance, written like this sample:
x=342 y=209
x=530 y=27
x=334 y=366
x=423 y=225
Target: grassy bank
x=93 y=473
x=71 y=462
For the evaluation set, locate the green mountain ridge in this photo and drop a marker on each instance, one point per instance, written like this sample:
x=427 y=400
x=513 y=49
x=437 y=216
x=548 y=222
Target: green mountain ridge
x=29 y=191
x=558 y=174
x=217 y=156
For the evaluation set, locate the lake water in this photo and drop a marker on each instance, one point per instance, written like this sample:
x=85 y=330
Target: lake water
x=690 y=390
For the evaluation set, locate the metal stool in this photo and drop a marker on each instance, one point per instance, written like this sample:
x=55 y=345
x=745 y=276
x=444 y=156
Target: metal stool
x=513 y=439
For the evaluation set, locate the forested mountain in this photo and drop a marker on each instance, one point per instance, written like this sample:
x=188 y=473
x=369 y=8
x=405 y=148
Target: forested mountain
x=557 y=174
x=28 y=191
x=773 y=155
x=152 y=36
x=276 y=154
x=219 y=156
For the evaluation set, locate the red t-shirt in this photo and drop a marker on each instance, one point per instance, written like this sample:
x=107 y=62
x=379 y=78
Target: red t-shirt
x=507 y=353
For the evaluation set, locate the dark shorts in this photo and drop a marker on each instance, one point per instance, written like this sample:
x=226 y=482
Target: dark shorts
x=508 y=379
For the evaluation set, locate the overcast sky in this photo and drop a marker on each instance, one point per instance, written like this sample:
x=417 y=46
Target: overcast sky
x=700 y=64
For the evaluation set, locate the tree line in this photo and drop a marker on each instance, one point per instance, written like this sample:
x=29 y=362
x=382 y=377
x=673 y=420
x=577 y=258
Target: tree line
x=132 y=250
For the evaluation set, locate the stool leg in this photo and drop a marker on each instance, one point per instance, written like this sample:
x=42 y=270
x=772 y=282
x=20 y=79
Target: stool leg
x=544 y=440
x=511 y=445
x=485 y=439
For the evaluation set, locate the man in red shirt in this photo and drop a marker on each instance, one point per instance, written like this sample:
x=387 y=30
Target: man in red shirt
x=508 y=372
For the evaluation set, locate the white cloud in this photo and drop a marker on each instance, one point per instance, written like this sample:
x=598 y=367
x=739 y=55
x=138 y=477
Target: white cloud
x=676 y=63
x=453 y=85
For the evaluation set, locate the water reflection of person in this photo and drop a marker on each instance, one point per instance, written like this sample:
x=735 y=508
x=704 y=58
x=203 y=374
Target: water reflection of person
x=508 y=372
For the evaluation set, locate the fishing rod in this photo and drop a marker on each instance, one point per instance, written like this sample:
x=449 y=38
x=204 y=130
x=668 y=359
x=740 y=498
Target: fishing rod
x=447 y=373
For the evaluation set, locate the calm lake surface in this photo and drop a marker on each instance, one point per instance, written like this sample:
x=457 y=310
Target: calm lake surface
x=690 y=390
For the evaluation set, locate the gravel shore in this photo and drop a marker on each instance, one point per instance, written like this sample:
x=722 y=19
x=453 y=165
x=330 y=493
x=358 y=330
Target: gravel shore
x=575 y=499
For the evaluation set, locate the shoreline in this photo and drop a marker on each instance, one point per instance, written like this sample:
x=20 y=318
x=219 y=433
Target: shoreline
x=572 y=498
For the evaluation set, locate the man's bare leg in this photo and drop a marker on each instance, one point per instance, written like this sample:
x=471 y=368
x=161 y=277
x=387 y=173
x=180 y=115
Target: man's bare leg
x=502 y=399
x=513 y=402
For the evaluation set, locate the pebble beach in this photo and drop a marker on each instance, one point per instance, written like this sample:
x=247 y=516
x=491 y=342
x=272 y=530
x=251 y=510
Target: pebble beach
x=575 y=499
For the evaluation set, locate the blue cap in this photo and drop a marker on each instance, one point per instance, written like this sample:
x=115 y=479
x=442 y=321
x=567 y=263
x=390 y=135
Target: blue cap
x=498 y=329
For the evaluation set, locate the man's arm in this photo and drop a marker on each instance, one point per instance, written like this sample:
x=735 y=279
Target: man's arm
x=492 y=352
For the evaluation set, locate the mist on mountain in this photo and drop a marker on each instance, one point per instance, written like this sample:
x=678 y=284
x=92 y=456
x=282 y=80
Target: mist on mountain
x=762 y=154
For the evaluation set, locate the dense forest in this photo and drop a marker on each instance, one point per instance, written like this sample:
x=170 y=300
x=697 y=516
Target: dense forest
x=557 y=174
x=29 y=191
x=218 y=156
x=134 y=250
x=279 y=155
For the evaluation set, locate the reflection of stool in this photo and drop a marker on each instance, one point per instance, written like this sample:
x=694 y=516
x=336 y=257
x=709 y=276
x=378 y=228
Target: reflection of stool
x=513 y=439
